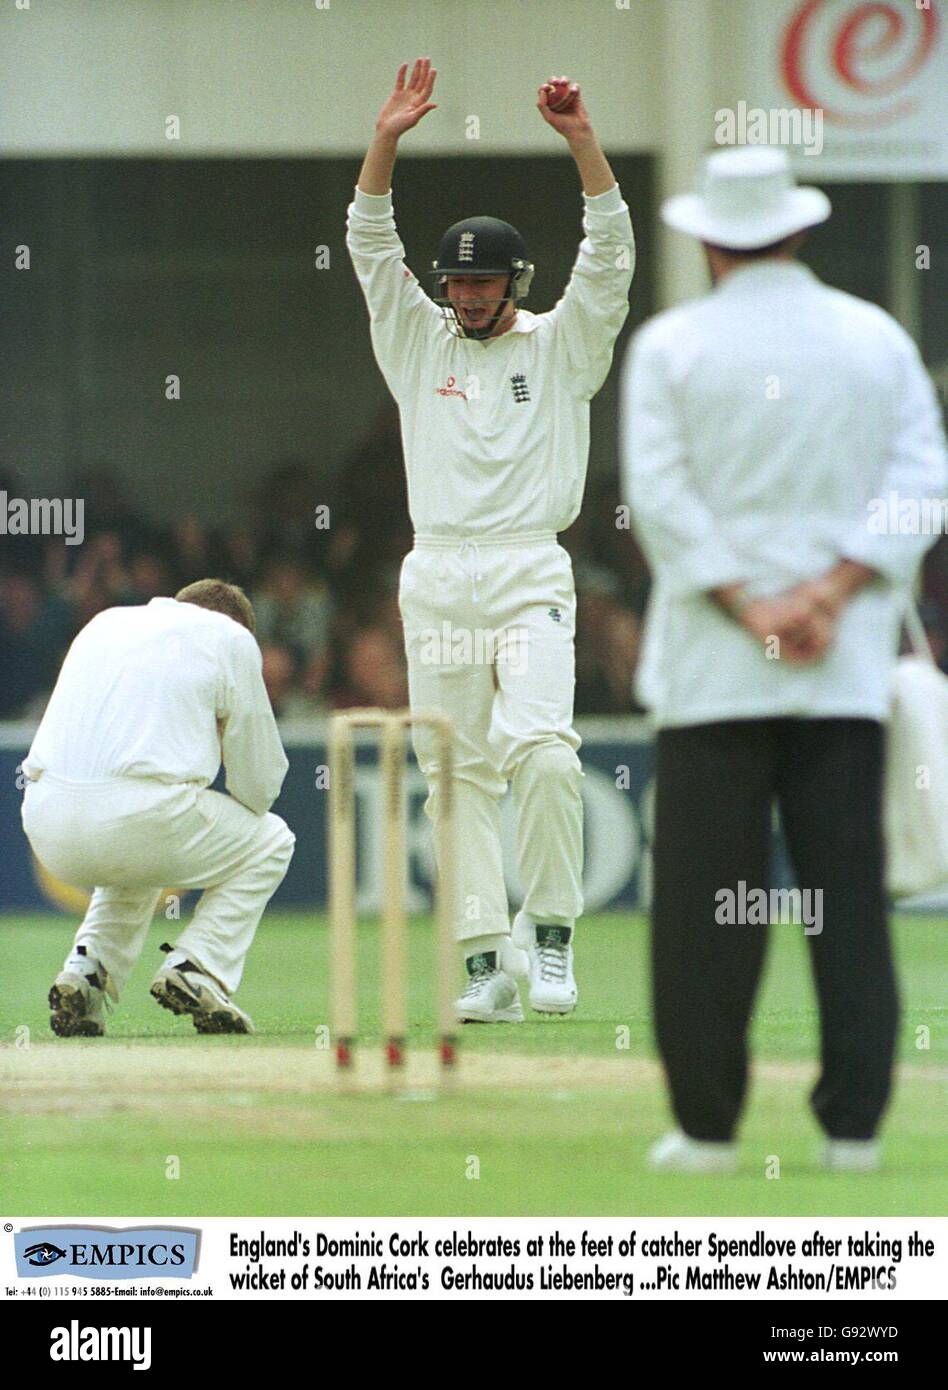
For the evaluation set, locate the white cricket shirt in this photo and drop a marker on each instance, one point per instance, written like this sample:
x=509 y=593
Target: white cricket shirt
x=762 y=426
x=140 y=694
x=495 y=433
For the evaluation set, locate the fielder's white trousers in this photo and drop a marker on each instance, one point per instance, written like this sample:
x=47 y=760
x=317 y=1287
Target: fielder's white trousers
x=489 y=632
x=130 y=837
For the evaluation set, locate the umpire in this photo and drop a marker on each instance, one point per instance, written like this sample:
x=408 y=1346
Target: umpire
x=759 y=423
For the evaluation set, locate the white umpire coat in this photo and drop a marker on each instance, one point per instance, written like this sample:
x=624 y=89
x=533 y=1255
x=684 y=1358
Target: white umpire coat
x=768 y=430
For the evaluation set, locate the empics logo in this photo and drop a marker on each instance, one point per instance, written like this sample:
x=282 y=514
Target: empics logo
x=43 y=1254
x=102 y=1252
x=75 y=1343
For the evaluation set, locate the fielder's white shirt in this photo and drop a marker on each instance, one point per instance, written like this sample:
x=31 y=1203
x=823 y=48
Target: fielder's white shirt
x=140 y=694
x=495 y=433
x=762 y=427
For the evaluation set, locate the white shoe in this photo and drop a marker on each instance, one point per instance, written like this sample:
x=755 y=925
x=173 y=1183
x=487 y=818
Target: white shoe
x=79 y=996
x=550 y=962
x=851 y=1155
x=679 y=1153
x=183 y=987
x=513 y=960
x=491 y=995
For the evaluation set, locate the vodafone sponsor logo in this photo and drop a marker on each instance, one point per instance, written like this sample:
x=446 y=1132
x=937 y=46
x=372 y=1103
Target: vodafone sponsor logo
x=450 y=388
x=857 y=60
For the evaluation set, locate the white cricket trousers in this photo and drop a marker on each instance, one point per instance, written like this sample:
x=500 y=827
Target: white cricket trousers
x=131 y=837
x=489 y=630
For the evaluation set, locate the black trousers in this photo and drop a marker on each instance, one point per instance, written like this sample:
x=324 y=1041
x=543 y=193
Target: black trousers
x=715 y=787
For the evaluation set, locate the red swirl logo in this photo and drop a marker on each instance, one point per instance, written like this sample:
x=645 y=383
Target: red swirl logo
x=861 y=54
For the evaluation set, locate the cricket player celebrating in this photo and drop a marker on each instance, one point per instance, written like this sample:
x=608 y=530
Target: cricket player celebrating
x=494 y=406
x=148 y=703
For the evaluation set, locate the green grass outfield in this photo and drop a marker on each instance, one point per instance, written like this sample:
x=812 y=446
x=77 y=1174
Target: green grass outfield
x=557 y=1116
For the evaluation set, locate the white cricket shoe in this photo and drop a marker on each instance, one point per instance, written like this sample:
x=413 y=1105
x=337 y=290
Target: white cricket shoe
x=851 y=1155
x=679 y=1153
x=550 y=964
x=491 y=995
x=184 y=988
x=513 y=960
x=79 y=997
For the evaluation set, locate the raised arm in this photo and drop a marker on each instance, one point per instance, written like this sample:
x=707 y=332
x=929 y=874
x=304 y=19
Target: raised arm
x=405 y=107
x=594 y=307
x=571 y=120
x=400 y=311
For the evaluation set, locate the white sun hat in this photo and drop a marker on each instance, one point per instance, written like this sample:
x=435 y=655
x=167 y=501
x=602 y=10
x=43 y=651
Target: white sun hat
x=748 y=199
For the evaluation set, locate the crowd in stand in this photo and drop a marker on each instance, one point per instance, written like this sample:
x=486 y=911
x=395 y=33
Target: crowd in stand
x=320 y=561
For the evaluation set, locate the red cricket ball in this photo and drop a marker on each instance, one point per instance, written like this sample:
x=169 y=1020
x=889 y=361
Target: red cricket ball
x=562 y=97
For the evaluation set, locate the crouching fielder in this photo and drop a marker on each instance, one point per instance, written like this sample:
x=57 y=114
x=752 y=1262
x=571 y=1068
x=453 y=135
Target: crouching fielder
x=494 y=406
x=148 y=703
